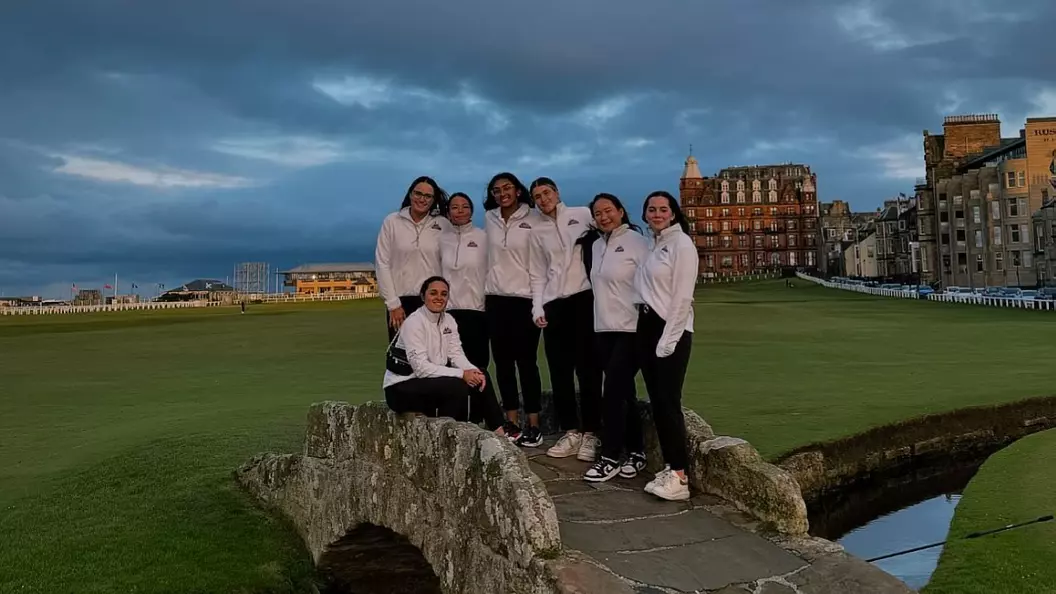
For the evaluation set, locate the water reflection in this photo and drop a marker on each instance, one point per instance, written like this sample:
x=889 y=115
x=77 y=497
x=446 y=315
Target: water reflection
x=917 y=525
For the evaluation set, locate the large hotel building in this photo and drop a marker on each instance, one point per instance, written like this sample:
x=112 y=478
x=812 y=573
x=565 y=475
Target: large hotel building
x=977 y=201
x=751 y=219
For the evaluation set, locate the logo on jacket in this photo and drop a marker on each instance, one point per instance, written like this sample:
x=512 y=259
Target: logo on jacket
x=664 y=249
x=471 y=244
x=572 y=222
x=447 y=330
x=618 y=249
x=435 y=226
x=524 y=226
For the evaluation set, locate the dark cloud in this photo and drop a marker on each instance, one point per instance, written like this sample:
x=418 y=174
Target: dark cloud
x=174 y=139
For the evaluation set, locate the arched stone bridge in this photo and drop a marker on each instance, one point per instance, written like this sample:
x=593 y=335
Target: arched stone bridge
x=394 y=504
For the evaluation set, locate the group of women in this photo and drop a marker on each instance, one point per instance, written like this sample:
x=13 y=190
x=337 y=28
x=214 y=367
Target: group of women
x=607 y=299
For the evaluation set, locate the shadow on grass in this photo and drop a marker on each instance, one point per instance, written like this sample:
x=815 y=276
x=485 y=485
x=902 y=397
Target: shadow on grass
x=166 y=517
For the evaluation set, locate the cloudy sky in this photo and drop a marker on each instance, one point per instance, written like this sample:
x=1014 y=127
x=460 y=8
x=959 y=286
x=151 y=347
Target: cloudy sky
x=166 y=141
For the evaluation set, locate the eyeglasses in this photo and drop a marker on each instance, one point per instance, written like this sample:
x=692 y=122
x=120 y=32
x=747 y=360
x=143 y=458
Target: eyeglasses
x=417 y=194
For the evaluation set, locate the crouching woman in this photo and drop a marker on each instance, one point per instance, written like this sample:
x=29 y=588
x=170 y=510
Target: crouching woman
x=427 y=372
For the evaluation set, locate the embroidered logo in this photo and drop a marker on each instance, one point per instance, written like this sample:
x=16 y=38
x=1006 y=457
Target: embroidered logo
x=572 y=222
x=524 y=226
x=447 y=330
x=435 y=226
x=618 y=249
x=471 y=244
x=664 y=249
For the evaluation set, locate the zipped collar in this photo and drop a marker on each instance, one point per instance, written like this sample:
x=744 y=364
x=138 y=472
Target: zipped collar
x=668 y=233
x=520 y=213
x=618 y=231
x=558 y=211
x=435 y=318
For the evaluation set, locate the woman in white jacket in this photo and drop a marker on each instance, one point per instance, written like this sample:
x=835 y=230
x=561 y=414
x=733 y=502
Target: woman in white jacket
x=664 y=285
x=616 y=257
x=408 y=249
x=464 y=261
x=426 y=370
x=508 y=224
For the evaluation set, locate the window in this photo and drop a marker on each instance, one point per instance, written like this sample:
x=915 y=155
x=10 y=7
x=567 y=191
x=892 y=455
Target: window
x=979 y=263
x=740 y=197
x=756 y=185
x=791 y=241
x=997 y=235
x=1016 y=263
x=744 y=260
x=960 y=235
x=773 y=184
x=870 y=252
x=773 y=196
x=773 y=211
x=978 y=238
x=1013 y=234
x=1024 y=230
x=725 y=225
x=725 y=212
x=962 y=260
x=709 y=241
x=740 y=185
x=727 y=261
x=791 y=258
x=1013 y=208
x=1028 y=259
x=958 y=215
x=1039 y=230
x=708 y=212
x=725 y=199
x=810 y=258
x=742 y=227
x=709 y=261
x=832 y=233
x=725 y=185
x=759 y=258
x=757 y=196
x=1010 y=179
x=740 y=212
x=773 y=226
x=995 y=210
x=758 y=241
x=726 y=241
x=757 y=212
x=902 y=225
x=975 y=215
x=1022 y=179
x=742 y=241
x=944 y=216
x=945 y=238
x=775 y=241
x=923 y=259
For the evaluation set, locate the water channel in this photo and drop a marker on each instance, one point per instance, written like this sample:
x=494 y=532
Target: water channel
x=892 y=513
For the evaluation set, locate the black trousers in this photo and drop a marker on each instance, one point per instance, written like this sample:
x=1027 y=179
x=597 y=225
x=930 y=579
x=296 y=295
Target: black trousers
x=622 y=425
x=515 y=345
x=409 y=305
x=430 y=396
x=664 y=378
x=569 y=346
x=473 y=330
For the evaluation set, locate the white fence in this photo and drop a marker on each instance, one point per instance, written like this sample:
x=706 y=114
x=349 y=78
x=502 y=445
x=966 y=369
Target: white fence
x=703 y=280
x=971 y=299
x=35 y=310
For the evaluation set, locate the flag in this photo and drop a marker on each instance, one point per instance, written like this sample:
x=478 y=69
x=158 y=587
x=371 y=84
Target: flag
x=135 y=286
x=107 y=287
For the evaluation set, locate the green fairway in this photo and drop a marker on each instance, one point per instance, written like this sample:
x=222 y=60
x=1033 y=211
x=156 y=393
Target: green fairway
x=1015 y=485
x=119 y=432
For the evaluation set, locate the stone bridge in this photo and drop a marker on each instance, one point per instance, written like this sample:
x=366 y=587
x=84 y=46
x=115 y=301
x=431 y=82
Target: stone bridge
x=387 y=503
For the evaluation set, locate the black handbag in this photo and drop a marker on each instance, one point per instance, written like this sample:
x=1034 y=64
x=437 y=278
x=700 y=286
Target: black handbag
x=396 y=358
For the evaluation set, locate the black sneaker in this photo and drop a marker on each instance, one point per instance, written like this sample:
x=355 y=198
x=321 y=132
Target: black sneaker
x=602 y=470
x=531 y=437
x=634 y=464
x=512 y=431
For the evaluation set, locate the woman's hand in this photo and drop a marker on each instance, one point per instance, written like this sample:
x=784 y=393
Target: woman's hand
x=473 y=377
x=396 y=317
x=540 y=322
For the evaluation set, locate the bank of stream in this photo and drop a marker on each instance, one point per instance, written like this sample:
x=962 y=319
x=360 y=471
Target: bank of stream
x=897 y=487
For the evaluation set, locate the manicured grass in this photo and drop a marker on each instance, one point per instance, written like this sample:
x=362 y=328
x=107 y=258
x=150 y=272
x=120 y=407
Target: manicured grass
x=1015 y=485
x=119 y=432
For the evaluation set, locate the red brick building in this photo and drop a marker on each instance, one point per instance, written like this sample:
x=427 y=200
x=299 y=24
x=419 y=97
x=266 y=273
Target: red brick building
x=752 y=219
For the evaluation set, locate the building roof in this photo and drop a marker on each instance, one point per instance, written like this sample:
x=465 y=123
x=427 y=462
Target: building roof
x=691 y=170
x=203 y=284
x=331 y=267
x=1007 y=145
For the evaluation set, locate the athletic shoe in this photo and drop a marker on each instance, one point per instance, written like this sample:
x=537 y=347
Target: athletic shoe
x=602 y=470
x=668 y=485
x=634 y=464
x=566 y=446
x=511 y=430
x=531 y=437
x=588 y=450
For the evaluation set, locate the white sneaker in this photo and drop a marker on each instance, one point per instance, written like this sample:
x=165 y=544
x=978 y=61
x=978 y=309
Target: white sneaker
x=650 y=487
x=588 y=450
x=568 y=445
x=671 y=487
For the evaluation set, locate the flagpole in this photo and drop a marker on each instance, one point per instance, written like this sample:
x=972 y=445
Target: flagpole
x=115 y=287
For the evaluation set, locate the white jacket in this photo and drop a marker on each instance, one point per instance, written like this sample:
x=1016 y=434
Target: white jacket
x=407 y=254
x=431 y=340
x=558 y=257
x=509 y=252
x=666 y=282
x=464 y=263
x=615 y=260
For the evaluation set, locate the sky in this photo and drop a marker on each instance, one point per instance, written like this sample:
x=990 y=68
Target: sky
x=167 y=141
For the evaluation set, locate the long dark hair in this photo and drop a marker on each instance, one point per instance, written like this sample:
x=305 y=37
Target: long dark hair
x=523 y=195
x=626 y=220
x=439 y=196
x=680 y=219
x=429 y=281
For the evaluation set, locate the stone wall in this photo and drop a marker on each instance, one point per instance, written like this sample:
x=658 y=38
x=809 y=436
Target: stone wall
x=482 y=519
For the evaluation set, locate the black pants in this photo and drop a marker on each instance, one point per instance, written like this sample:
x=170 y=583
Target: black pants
x=663 y=380
x=409 y=305
x=473 y=330
x=430 y=396
x=569 y=347
x=622 y=426
x=515 y=344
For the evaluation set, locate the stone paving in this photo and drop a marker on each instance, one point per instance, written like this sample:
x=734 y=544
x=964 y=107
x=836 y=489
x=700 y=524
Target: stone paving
x=644 y=545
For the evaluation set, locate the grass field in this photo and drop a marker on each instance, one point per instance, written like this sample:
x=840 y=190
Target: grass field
x=119 y=432
x=1014 y=485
